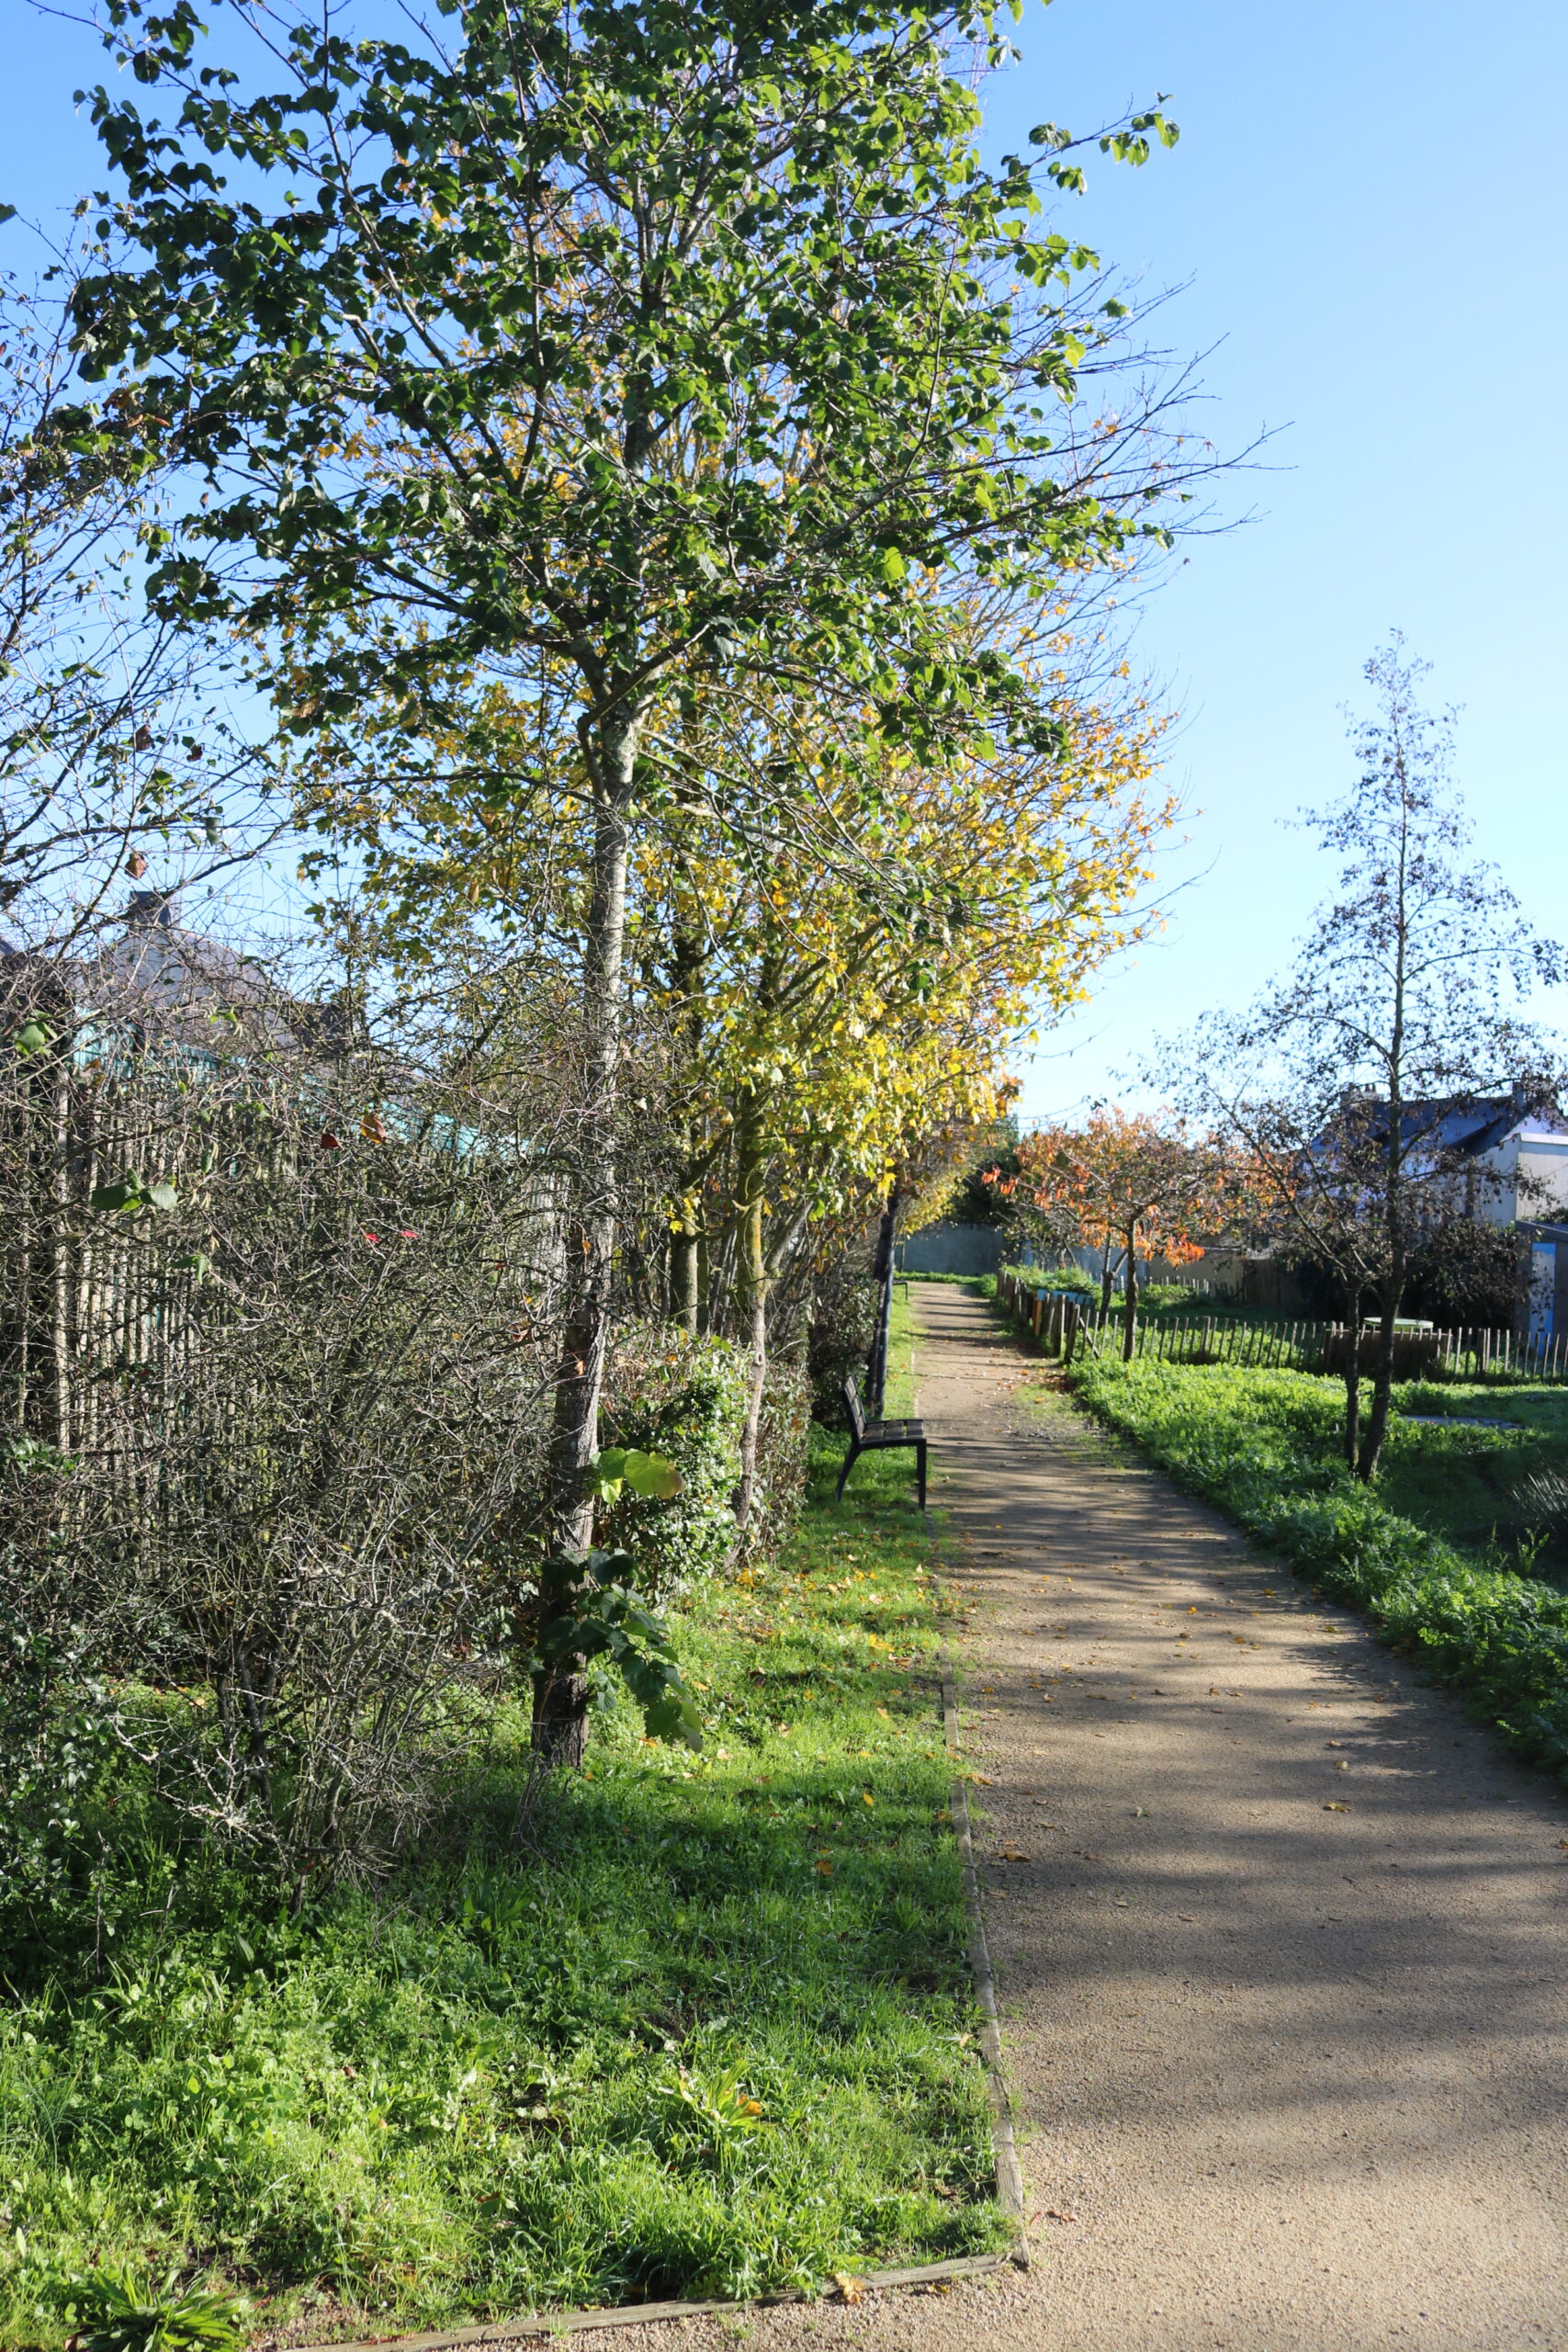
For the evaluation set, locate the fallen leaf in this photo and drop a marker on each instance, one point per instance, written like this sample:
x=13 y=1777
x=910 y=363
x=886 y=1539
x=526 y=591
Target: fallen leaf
x=851 y=2290
x=1012 y=1854
x=1336 y=1808
x=1052 y=2215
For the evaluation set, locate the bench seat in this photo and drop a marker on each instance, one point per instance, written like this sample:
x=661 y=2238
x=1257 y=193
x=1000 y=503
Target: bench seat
x=881 y=1437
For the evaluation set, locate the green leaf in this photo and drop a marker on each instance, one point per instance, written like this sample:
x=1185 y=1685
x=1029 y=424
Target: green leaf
x=124 y=1194
x=161 y=1196
x=650 y=1475
x=32 y=1039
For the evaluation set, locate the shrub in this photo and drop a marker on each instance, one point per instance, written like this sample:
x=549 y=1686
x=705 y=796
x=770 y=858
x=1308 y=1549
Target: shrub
x=1072 y=1279
x=684 y=1398
x=1466 y=1273
x=839 y=1335
x=784 y=1450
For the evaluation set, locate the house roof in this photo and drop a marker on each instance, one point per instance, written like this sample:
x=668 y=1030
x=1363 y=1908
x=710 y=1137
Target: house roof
x=1466 y=1126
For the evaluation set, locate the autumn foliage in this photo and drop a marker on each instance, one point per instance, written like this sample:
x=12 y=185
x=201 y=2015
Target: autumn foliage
x=1137 y=1182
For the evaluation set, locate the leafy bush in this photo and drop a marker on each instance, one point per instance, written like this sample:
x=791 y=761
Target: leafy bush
x=1466 y=1273
x=839 y=1334
x=1261 y=1444
x=58 y=1737
x=1171 y=1298
x=783 y=1446
x=684 y=1399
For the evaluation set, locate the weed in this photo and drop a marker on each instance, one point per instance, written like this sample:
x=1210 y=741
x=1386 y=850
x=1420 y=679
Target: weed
x=132 y=2310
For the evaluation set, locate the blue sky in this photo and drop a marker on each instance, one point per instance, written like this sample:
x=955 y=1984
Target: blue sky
x=1366 y=213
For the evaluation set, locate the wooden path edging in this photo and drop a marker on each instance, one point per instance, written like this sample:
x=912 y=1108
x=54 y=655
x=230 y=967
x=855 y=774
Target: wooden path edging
x=579 y=2323
x=1010 y=2180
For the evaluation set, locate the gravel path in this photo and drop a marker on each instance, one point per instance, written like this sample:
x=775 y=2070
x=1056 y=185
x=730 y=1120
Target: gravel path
x=1279 y=1936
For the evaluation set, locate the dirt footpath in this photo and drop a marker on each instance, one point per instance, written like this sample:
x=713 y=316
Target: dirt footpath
x=1280 y=1938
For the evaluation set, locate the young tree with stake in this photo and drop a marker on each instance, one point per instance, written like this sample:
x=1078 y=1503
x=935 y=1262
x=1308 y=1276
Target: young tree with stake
x=1402 y=1007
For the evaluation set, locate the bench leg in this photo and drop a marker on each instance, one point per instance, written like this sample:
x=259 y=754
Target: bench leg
x=851 y=1458
x=920 y=1472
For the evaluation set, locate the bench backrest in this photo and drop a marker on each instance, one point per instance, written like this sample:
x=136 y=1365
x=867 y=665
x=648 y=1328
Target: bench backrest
x=855 y=1408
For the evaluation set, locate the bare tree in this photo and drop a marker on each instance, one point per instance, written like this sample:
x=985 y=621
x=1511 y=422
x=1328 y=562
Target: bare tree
x=1402 y=1013
x=121 y=748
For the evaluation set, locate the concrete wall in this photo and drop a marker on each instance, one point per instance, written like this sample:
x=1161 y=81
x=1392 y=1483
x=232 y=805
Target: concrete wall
x=952 y=1249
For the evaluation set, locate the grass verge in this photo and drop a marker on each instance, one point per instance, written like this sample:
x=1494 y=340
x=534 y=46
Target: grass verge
x=1262 y=1446
x=676 y=2026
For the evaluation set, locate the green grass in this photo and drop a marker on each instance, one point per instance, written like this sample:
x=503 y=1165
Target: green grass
x=1463 y=1484
x=675 y=2026
x=1261 y=1445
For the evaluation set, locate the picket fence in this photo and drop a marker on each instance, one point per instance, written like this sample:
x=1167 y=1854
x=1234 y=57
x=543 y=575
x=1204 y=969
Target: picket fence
x=1067 y=1325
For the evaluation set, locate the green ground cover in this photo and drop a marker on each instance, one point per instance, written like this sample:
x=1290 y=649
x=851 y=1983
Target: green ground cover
x=679 y=2025
x=1262 y=1446
x=1464 y=1484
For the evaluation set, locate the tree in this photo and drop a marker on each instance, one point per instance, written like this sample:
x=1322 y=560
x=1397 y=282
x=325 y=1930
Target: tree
x=825 y=1031
x=1401 y=1010
x=626 y=348
x=1313 y=1166
x=1129 y=1178
x=121 y=755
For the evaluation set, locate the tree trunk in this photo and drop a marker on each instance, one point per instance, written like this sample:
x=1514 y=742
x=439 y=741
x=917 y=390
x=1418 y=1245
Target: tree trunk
x=1130 y=1312
x=1394 y=1298
x=685 y=1267
x=876 y=1371
x=1105 y=1281
x=751 y=1286
x=1383 y=1386
x=685 y=1243
x=1352 y=1371
x=560 y=1692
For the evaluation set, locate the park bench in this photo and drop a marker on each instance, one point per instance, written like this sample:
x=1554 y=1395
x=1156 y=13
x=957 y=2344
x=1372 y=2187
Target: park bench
x=880 y=1437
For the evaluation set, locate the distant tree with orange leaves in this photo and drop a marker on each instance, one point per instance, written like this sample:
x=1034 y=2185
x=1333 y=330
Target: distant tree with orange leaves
x=1131 y=1179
